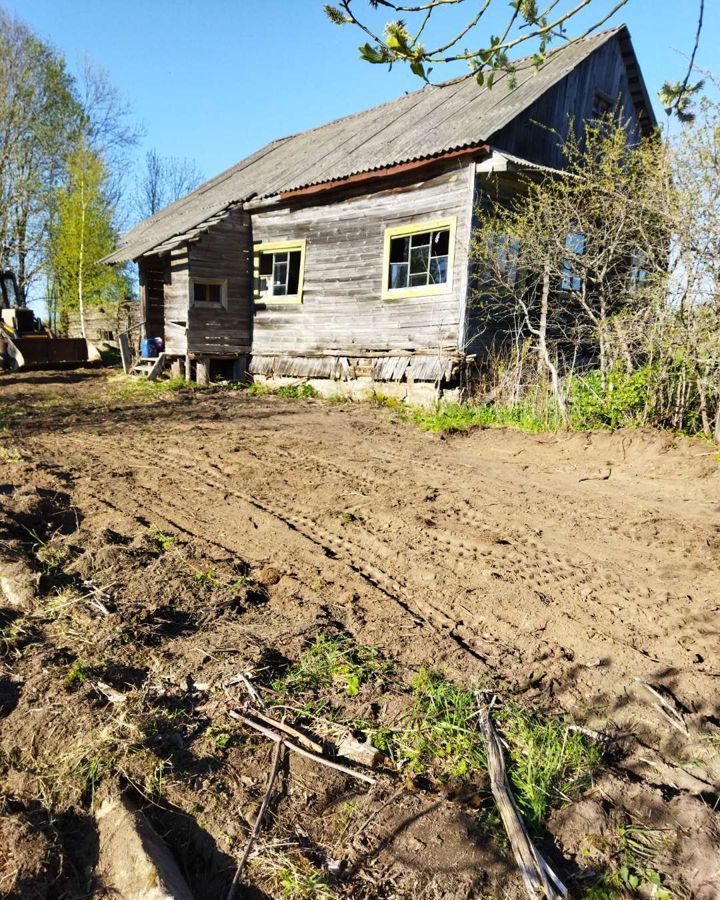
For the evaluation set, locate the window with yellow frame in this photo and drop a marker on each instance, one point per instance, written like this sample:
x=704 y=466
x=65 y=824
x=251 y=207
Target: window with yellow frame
x=279 y=270
x=418 y=259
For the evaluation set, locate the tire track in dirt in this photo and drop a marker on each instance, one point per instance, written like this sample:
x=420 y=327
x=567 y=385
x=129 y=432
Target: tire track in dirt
x=507 y=594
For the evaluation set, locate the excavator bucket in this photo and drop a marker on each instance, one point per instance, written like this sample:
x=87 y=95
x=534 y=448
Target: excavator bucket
x=42 y=350
x=26 y=344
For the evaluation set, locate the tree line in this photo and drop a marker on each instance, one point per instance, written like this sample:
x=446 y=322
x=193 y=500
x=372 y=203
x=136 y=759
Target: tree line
x=66 y=145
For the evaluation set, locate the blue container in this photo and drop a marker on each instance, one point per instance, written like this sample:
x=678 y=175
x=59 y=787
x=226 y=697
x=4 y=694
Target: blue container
x=147 y=348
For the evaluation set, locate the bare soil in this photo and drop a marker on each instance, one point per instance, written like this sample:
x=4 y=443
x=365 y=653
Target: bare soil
x=566 y=572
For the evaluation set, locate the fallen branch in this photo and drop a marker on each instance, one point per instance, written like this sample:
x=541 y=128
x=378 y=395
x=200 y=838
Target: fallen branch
x=665 y=708
x=596 y=477
x=249 y=687
x=274 y=736
x=261 y=815
x=538 y=877
x=288 y=729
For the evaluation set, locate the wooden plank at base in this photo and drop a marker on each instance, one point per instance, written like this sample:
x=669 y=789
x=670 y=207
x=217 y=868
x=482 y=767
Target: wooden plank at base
x=124 y=342
x=154 y=373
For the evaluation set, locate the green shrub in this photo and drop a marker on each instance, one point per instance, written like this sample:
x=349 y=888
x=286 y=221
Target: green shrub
x=621 y=402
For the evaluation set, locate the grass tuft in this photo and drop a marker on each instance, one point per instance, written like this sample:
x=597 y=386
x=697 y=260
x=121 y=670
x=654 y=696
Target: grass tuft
x=549 y=763
x=293 y=876
x=302 y=391
x=441 y=738
x=144 y=391
x=334 y=661
x=459 y=418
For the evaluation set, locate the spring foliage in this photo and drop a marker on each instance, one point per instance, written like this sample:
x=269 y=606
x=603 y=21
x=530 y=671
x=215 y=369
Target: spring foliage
x=82 y=234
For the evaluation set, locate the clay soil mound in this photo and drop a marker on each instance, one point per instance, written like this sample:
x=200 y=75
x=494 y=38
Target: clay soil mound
x=155 y=547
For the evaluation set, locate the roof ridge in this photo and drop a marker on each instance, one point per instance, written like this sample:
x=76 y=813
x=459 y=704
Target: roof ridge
x=410 y=127
x=450 y=82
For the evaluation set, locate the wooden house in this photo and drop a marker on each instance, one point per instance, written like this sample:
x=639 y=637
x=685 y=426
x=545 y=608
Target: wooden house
x=340 y=255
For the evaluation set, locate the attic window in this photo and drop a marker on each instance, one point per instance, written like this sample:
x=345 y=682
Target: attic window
x=209 y=292
x=418 y=259
x=601 y=107
x=279 y=271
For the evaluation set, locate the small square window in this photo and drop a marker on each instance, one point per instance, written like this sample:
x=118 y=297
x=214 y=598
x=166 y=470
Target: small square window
x=208 y=293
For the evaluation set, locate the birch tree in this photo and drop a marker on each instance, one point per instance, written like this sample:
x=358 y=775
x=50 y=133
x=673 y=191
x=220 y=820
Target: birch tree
x=82 y=235
x=38 y=121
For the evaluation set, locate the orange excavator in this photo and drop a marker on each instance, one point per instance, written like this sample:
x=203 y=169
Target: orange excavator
x=25 y=343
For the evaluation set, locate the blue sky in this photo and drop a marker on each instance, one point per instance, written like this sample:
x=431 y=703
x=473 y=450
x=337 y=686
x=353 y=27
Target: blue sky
x=214 y=80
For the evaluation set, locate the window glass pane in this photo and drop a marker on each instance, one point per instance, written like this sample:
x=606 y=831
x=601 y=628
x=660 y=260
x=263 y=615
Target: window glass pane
x=214 y=293
x=421 y=240
x=294 y=273
x=438 y=269
x=418 y=280
x=266 y=263
x=399 y=249
x=280 y=275
x=199 y=293
x=440 y=243
x=398 y=275
x=419 y=257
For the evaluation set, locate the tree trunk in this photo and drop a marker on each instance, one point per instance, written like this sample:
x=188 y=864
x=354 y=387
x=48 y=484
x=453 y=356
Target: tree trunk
x=81 y=253
x=543 y=348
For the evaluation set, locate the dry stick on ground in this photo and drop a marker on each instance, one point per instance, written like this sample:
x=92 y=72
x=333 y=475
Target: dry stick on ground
x=274 y=736
x=673 y=716
x=261 y=815
x=536 y=874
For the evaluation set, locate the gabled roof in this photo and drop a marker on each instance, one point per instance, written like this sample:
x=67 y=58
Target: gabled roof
x=417 y=126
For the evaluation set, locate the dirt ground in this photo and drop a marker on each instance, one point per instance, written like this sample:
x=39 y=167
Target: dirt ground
x=576 y=574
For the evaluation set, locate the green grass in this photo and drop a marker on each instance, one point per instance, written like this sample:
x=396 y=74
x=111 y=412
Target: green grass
x=549 y=763
x=206 y=579
x=144 y=391
x=10 y=454
x=334 y=661
x=459 y=418
x=302 y=391
x=76 y=674
x=293 y=876
x=162 y=542
x=635 y=873
x=441 y=739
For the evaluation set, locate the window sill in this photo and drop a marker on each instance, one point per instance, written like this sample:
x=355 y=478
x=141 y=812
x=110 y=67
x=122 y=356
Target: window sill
x=428 y=290
x=202 y=305
x=278 y=301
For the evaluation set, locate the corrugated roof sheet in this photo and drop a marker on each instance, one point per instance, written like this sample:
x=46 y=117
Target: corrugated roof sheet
x=420 y=125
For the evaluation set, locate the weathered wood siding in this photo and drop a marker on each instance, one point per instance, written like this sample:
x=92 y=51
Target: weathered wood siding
x=538 y=133
x=108 y=319
x=177 y=293
x=342 y=310
x=153 y=273
x=222 y=252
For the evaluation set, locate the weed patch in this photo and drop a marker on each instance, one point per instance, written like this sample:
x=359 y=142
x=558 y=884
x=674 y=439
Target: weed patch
x=145 y=391
x=77 y=674
x=302 y=391
x=635 y=873
x=460 y=418
x=441 y=739
x=549 y=763
x=10 y=455
x=161 y=542
x=291 y=875
x=334 y=661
